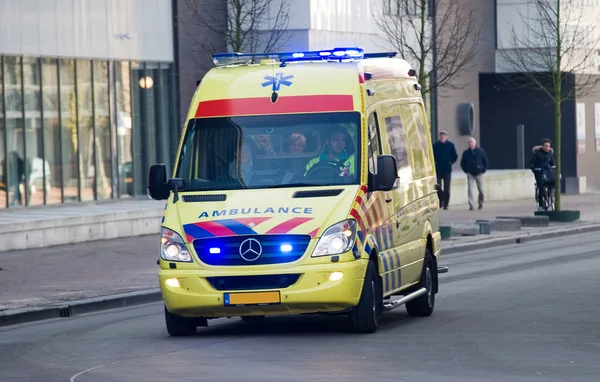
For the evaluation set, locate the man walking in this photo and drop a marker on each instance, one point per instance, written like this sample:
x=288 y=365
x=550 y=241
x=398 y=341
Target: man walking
x=474 y=163
x=445 y=156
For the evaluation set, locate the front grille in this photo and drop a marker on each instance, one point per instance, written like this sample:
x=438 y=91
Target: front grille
x=317 y=193
x=253 y=282
x=226 y=250
x=204 y=198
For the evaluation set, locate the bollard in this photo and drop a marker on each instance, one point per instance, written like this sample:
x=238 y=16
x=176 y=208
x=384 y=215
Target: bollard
x=520 y=146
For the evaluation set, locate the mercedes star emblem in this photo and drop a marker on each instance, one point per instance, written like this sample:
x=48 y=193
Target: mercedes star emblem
x=250 y=249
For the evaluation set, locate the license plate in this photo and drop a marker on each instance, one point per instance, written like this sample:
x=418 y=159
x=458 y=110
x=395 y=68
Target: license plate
x=252 y=298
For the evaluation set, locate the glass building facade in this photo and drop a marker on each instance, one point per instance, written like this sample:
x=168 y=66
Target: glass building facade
x=74 y=130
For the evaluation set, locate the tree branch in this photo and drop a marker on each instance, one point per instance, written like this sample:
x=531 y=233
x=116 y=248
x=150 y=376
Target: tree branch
x=457 y=36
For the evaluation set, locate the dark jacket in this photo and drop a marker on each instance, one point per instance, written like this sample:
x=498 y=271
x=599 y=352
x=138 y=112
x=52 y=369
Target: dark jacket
x=541 y=158
x=474 y=161
x=544 y=161
x=445 y=156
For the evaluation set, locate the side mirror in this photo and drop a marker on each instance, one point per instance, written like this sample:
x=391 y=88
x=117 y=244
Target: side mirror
x=387 y=172
x=158 y=189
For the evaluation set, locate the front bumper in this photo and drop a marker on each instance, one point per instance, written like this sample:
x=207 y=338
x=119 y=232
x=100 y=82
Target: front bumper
x=313 y=292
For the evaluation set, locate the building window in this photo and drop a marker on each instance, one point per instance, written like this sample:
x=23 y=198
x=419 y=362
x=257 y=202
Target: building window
x=68 y=127
x=51 y=172
x=81 y=130
x=15 y=144
x=3 y=164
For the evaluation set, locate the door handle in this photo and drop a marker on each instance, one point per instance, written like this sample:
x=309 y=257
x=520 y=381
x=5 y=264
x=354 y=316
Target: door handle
x=397 y=224
x=388 y=200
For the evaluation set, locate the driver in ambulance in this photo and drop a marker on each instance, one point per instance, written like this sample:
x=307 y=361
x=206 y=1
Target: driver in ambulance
x=335 y=153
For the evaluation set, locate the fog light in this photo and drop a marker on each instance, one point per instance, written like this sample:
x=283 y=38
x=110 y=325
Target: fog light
x=336 y=276
x=172 y=283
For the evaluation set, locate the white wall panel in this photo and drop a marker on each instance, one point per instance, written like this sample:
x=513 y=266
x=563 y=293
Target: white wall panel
x=82 y=34
x=327 y=40
x=10 y=32
x=98 y=20
x=29 y=26
x=48 y=27
x=342 y=15
x=65 y=36
x=100 y=29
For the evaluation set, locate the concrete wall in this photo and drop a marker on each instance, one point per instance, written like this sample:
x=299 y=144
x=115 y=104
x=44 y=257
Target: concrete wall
x=498 y=185
x=196 y=41
x=105 y=29
x=588 y=159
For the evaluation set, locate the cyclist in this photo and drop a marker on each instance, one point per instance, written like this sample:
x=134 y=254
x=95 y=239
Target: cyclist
x=542 y=165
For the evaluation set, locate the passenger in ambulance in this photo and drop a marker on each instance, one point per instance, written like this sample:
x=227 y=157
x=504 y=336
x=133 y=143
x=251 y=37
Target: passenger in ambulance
x=243 y=163
x=335 y=154
x=296 y=142
x=264 y=144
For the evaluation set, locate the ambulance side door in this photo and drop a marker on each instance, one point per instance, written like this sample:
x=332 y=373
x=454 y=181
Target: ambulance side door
x=393 y=139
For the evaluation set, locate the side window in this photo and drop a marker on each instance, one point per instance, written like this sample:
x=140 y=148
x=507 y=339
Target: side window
x=374 y=144
x=395 y=134
x=424 y=152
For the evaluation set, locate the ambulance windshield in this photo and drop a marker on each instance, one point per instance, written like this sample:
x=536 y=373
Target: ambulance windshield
x=269 y=151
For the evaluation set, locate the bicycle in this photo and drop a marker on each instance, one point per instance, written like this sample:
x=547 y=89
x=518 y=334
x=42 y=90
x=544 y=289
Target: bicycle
x=548 y=196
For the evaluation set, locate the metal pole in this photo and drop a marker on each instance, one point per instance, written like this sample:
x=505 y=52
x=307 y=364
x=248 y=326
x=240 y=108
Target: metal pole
x=520 y=146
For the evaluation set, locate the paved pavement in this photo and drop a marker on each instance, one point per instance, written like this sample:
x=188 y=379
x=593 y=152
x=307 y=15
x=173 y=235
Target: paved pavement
x=36 y=277
x=588 y=204
x=518 y=313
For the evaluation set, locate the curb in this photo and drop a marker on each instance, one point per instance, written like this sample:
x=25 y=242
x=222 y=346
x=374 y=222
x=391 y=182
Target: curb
x=519 y=239
x=77 y=307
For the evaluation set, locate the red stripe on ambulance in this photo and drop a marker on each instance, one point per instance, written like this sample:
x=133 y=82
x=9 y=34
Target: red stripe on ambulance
x=284 y=105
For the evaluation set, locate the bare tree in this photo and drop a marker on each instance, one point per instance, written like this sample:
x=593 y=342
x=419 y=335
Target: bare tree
x=407 y=26
x=249 y=26
x=556 y=42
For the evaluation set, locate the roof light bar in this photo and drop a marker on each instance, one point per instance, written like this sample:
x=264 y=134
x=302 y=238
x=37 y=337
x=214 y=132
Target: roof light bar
x=337 y=54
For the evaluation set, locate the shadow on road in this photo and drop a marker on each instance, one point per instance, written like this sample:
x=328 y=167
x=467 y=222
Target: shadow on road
x=300 y=325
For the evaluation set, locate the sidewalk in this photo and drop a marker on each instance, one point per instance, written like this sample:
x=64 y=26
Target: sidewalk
x=588 y=204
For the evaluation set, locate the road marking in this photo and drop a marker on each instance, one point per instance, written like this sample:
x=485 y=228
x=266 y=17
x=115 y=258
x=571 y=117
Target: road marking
x=85 y=371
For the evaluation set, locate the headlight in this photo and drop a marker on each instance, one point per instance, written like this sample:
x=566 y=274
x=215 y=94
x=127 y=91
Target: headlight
x=172 y=247
x=337 y=239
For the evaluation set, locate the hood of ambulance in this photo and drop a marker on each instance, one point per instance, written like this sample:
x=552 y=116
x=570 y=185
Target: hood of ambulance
x=259 y=211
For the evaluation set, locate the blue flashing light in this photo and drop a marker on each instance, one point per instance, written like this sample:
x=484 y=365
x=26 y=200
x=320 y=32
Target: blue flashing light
x=337 y=54
x=215 y=251
x=286 y=248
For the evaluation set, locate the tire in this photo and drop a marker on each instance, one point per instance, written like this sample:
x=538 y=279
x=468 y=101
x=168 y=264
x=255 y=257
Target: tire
x=178 y=326
x=423 y=305
x=364 y=317
x=252 y=318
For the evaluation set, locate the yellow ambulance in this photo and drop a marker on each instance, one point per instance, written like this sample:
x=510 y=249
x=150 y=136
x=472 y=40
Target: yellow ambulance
x=304 y=183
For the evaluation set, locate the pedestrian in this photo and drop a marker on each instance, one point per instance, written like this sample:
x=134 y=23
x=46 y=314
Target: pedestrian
x=445 y=156
x=474 y=163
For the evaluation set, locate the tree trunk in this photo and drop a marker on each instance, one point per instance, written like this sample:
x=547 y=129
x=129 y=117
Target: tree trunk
x=557 y=136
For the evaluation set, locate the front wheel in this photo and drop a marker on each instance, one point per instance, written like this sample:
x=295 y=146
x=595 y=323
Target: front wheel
x=422 y=306
x=364 y=317
x=178 y=326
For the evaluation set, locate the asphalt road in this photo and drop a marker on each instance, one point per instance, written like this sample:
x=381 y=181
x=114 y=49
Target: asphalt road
x=519 y=313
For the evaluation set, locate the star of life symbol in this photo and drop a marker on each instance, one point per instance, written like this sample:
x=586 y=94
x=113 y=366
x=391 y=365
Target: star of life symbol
x=277 y=81
x=250 y=249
